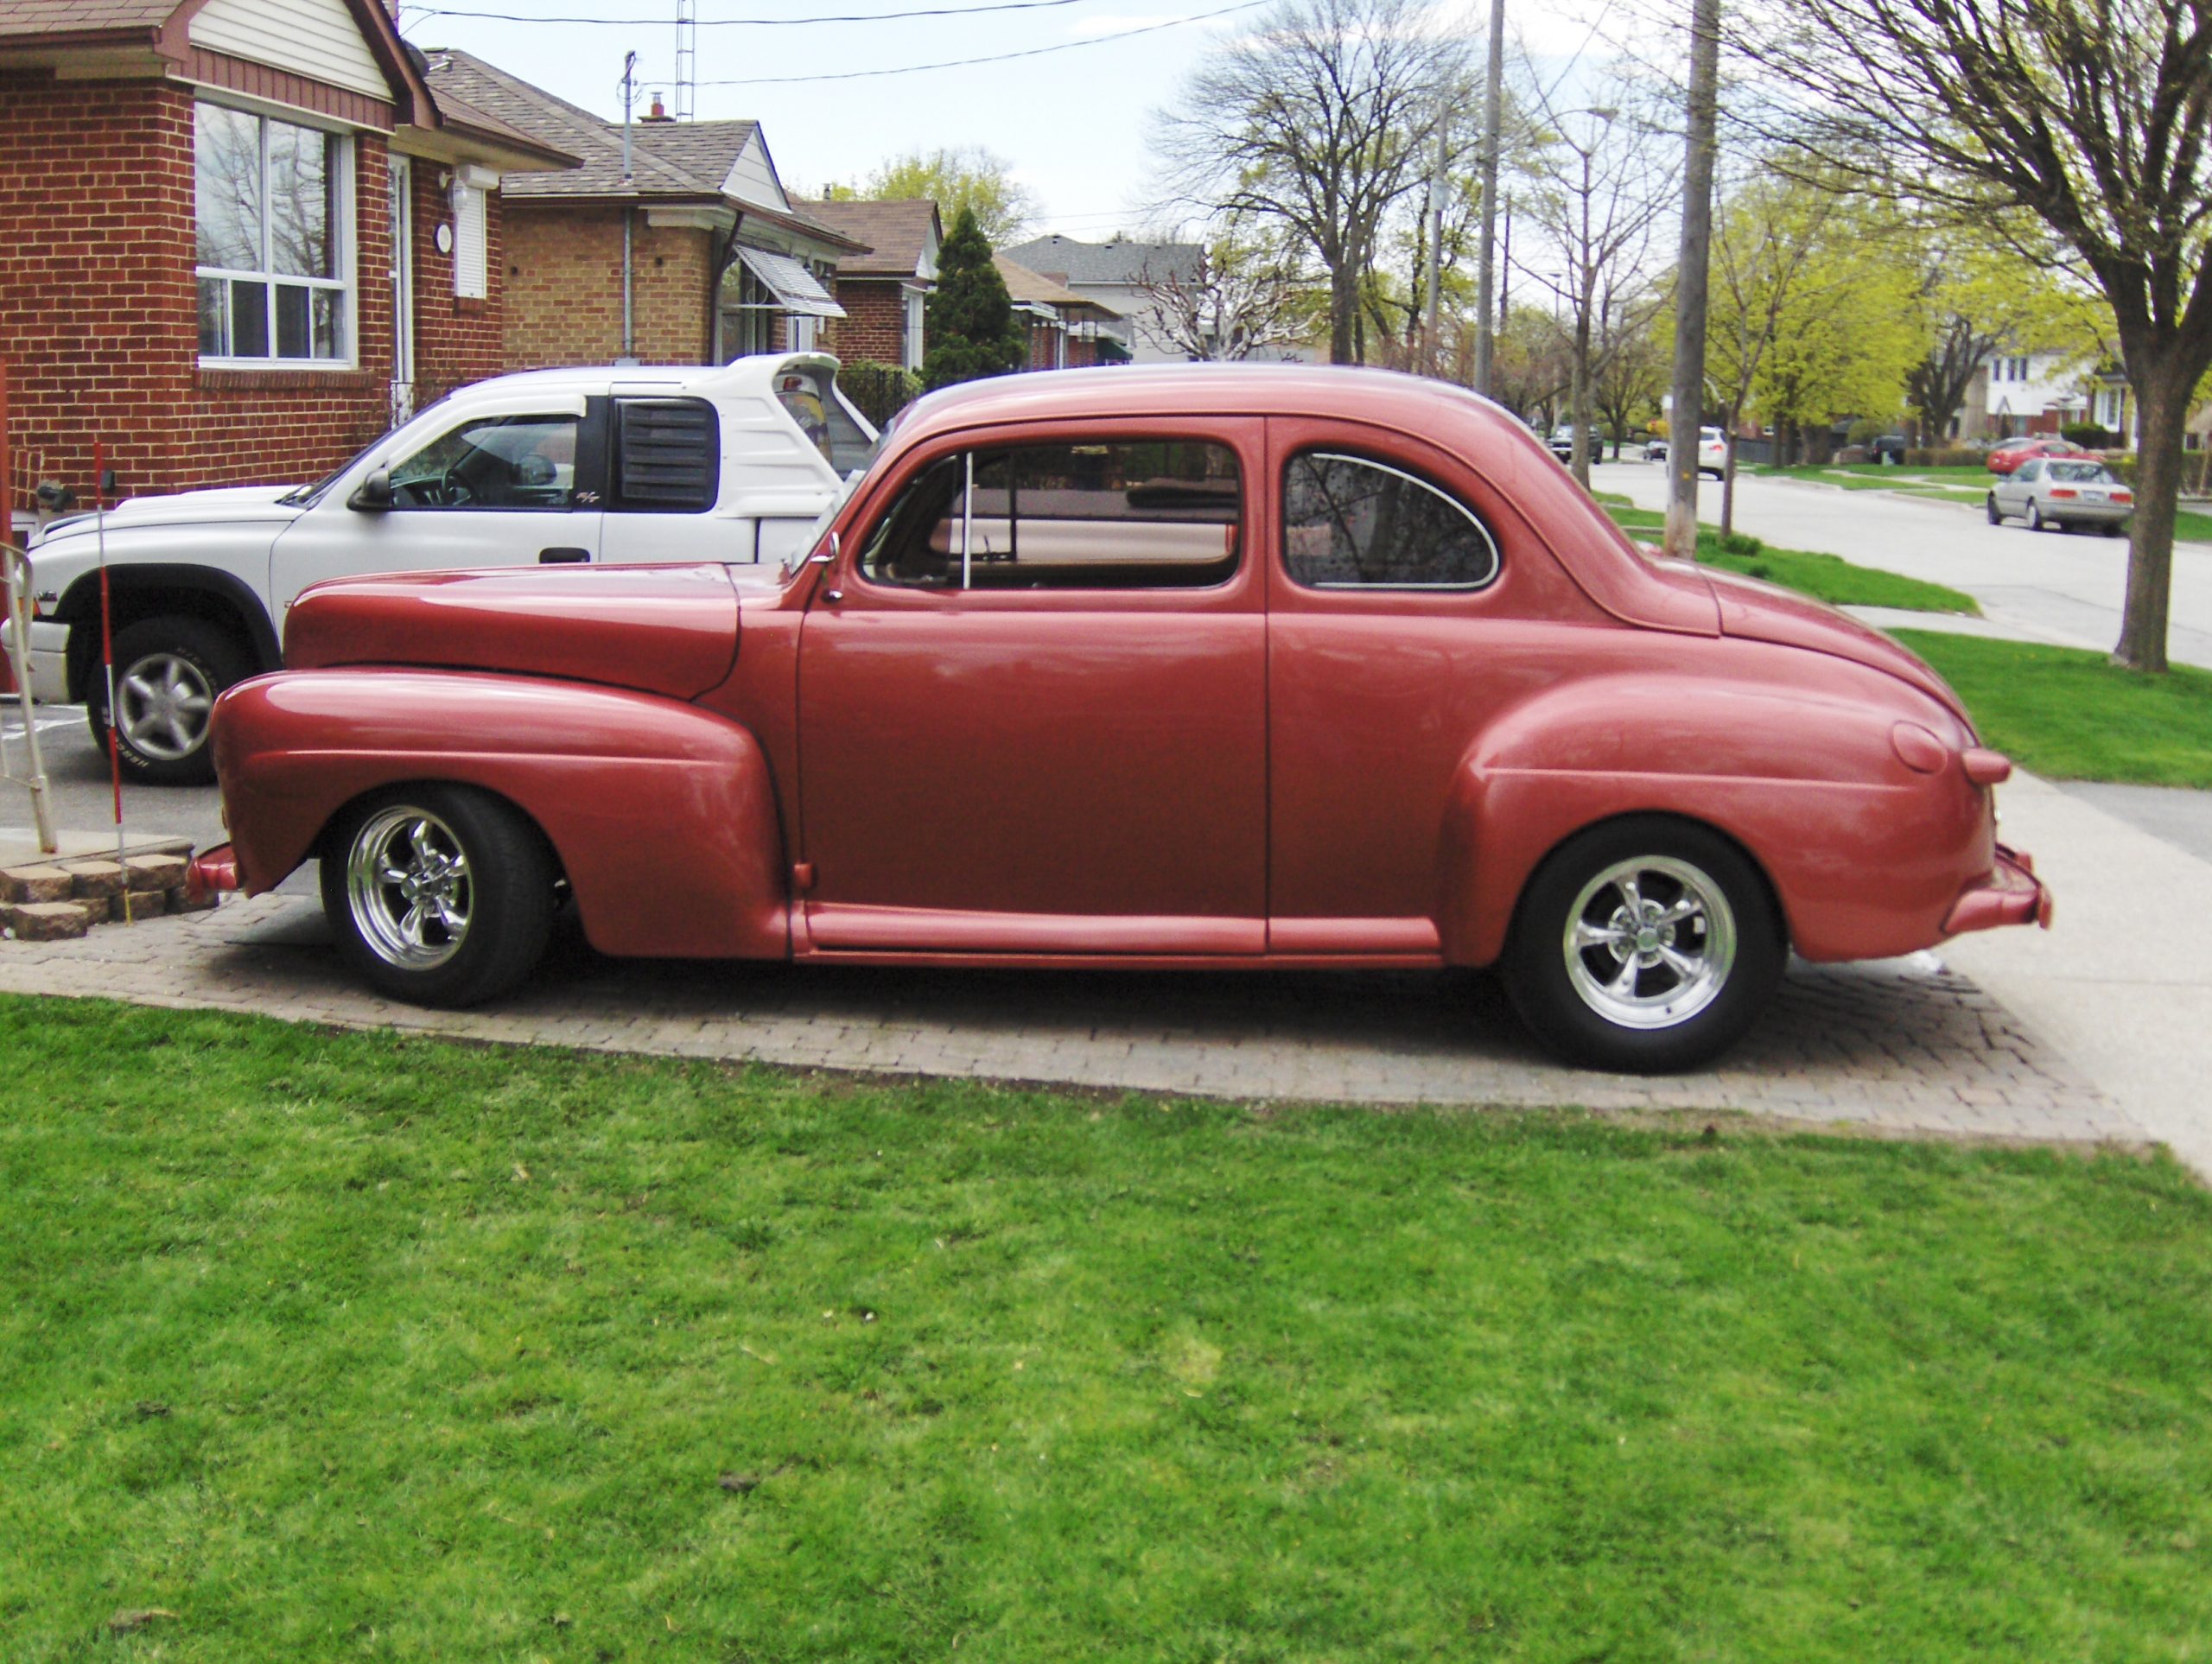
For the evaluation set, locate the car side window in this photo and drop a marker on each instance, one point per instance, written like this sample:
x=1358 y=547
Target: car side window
x=1350 y=523
x=1119 y=514
x=2030 y=469
x=495 y=462
x=667 y=456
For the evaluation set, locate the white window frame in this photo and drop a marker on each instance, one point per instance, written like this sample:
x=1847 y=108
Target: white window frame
x=345 y=229
x=914 y=308
x=471 y=196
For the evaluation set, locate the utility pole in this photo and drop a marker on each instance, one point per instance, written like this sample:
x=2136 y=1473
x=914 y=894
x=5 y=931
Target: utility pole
x=1436 y=189
x=1485 y=271
x=1687 y=411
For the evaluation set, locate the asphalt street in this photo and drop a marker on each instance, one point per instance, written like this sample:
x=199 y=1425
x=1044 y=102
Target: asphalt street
x=77 y=773
x=2055 y=587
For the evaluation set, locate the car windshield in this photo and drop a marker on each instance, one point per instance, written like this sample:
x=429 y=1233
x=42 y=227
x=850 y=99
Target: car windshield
x=309 y=496
x=2079 y=473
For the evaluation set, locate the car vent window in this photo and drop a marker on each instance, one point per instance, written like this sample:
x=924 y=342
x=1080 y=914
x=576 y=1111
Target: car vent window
x=668 y=456
x=1352 y=524
x=1121 y=514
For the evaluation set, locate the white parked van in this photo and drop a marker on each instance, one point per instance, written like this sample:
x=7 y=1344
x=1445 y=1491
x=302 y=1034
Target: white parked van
x=730 y=462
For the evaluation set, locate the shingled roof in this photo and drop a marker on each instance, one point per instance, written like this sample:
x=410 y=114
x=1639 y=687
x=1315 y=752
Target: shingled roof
x=1123 y=261
x=1027 y=288
x=898 y=234
x=669 y=161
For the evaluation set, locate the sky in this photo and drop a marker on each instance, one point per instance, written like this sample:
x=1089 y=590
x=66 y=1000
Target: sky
x=1073 y=122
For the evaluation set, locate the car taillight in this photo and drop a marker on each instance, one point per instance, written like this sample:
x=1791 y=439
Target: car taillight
x=2123 y=497
x=2064 y=490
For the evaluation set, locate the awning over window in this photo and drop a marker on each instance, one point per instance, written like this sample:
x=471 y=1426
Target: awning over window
x=791 y=283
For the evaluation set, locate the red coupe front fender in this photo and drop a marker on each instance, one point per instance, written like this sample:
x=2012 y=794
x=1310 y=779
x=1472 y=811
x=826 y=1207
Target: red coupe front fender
x=662 y=815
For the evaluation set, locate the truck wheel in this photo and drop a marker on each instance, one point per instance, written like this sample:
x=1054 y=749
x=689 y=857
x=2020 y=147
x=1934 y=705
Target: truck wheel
x=167 y=672
x=439 y=895
x=1647 y=944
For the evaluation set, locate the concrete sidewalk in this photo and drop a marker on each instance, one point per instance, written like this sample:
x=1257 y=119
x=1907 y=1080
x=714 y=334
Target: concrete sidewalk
x=2120 y=985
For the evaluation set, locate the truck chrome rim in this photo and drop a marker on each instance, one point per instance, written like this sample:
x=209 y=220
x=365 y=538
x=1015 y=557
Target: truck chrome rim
x=161 y=706
x=407 y=880
x=1650 y=942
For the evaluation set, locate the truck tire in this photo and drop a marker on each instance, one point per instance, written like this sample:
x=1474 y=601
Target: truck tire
x=438 y=894
x=168 y=672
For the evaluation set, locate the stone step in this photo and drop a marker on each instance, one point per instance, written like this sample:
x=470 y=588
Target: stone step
x=34 y=883
x=46 y=921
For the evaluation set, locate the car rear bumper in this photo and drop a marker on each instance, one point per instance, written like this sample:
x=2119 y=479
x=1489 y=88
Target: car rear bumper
x=2011 y=894
x=2088 y=514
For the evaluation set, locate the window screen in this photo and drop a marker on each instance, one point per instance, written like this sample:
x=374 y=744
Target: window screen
x=1149 y=514
x=667 y=455
x=1351 y=523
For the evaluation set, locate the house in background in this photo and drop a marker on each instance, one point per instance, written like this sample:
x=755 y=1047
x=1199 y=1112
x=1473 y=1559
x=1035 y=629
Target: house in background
x=2039 y=393
x=697 y=256
x=1065 y=328
x=1119 y=275
x=883 y=290
x=239 y=235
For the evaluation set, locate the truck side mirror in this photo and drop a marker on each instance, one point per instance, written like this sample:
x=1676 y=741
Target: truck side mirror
x=373 y=493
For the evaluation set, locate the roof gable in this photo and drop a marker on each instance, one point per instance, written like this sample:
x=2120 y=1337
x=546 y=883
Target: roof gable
x=1123 y=262
x=902 y=237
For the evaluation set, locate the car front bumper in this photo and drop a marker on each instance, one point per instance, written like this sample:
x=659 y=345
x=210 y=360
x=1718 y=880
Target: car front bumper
x=2011 y=894
x=49 y=662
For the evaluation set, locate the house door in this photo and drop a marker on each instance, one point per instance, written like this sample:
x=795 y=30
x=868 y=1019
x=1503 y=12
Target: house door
x=402 y=289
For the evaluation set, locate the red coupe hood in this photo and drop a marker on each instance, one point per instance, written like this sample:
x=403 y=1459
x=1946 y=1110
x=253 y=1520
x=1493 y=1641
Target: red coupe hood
x=669 y=630
x=1753 y=610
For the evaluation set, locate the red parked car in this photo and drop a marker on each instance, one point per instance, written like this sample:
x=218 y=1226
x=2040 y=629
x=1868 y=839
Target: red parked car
x=2007 y=456
x=1193 y=666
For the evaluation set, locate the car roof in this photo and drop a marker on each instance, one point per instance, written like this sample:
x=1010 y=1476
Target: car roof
x=752 y=374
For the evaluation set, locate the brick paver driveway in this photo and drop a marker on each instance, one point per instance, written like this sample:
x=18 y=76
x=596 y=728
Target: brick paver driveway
x=1900 y=1046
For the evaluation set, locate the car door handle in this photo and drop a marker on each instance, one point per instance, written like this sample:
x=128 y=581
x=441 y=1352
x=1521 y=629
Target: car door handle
x=562 y=557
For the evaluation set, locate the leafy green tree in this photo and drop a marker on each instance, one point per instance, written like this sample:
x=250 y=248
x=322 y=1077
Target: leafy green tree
x=959 y=178
x=969 y=325
x=1981 y=294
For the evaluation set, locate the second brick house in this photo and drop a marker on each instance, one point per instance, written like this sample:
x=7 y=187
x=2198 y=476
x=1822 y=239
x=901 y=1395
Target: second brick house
x=691 y=253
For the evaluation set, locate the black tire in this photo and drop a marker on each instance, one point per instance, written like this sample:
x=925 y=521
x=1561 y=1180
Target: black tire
x=168 y=672
x=2036 y=522
x=2115 y=528
x=1738 y=937
x=503 y=892
x=1989 y=507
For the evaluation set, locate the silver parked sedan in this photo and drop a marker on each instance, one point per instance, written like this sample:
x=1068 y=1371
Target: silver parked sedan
x=2064 y=492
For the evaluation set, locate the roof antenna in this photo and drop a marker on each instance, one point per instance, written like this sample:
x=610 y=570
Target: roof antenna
x=687 y=59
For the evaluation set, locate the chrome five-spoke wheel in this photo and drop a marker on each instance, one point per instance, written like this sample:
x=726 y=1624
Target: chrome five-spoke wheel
x=161 y=706
x=1646 y=943
x=1650 y=942
x=408 y=883
x=438 y=894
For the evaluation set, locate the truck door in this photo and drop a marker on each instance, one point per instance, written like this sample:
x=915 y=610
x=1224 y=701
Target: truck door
x=514 y=484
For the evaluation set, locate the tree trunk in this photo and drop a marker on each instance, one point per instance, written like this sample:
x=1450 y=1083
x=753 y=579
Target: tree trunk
x=1343 y=314
x=1579 y=411
x=2162 y=395
x=1728 y=479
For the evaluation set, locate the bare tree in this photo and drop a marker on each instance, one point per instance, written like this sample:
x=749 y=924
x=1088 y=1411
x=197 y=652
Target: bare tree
x=1318 y=121
x=1598 y=204
x=2092 y=117
x=1701 y=110
x=1632 y=365
x=1241 y=299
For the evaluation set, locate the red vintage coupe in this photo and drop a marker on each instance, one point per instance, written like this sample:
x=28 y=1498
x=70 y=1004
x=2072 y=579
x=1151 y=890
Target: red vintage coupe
x=1201 y=666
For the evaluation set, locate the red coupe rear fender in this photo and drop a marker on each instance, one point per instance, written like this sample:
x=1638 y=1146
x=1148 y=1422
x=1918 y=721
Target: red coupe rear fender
x=1866 y=855
x=663 y=816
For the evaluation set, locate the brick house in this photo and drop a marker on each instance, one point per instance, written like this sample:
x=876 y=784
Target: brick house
x=884 y=288
x=697 y=246
x=1065 y=328
x=240 y=234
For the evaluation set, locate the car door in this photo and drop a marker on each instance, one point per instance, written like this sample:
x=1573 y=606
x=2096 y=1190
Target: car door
x=513 y=483
x=1033 y=699
x=2018 y=487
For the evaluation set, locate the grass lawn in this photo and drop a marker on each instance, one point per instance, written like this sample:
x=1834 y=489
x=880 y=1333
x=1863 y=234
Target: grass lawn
x=2076 y=716
x=1870 y=476
x=350 y=1347
x=1825 y=577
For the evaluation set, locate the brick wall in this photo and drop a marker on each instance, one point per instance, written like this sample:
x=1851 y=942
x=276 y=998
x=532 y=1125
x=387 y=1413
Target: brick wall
x=564 y=287
x=456 y=340
x=98 y=312
x=874 y=324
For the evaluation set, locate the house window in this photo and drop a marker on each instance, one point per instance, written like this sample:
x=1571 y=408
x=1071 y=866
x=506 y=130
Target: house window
x=471 y=275
x=273 y=252
x=910 y=343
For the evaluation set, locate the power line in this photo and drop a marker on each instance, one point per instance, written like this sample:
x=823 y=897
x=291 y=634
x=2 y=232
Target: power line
x=995 y=58
x=744 y=22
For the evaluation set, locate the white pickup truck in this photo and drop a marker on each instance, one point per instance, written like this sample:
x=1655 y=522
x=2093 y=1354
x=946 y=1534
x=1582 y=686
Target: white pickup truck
x=730 y=462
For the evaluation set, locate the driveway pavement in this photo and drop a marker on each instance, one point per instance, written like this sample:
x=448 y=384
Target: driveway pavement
x=2045 y=585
